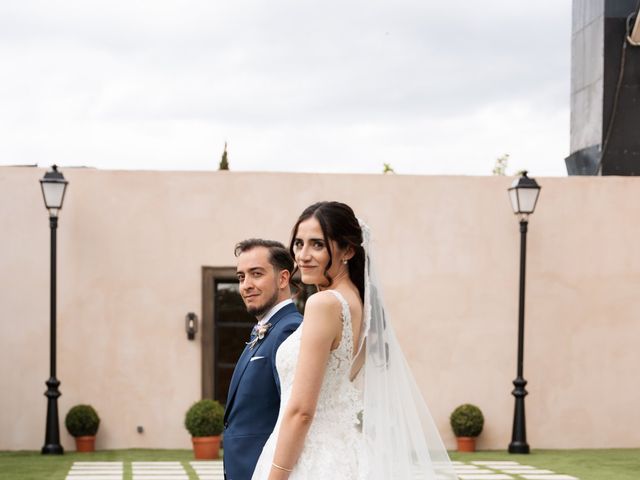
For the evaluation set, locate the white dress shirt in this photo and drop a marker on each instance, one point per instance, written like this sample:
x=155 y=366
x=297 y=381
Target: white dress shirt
x=275 y=309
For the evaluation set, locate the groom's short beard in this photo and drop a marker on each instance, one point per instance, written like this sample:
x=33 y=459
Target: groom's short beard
x=263 y=309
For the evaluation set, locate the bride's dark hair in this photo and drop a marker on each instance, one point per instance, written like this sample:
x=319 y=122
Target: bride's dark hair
x=338 y=223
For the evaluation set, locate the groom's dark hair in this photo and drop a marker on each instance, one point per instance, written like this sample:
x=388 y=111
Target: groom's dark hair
x=279 y=256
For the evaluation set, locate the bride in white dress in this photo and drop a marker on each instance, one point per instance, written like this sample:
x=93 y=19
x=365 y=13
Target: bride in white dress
x=350 y=409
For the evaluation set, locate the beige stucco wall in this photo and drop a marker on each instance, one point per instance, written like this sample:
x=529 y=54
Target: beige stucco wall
x=131 y=246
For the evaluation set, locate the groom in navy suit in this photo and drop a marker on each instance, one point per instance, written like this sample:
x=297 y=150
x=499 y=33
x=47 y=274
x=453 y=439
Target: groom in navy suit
x=264 y=272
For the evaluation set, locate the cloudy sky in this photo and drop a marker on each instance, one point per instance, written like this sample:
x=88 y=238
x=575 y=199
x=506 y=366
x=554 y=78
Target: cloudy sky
x=430 y=87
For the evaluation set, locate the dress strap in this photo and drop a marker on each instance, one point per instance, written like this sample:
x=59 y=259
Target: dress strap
x=346 y=313
x=346 y=342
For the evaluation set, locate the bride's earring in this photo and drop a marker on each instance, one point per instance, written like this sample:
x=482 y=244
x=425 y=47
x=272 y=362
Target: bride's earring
x=345 y=261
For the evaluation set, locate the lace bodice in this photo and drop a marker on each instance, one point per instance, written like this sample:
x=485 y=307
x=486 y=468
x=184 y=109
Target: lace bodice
x=333 y=447
x=338 y=408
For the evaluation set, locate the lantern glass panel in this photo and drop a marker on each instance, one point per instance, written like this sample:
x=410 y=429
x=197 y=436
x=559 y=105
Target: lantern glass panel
x=527 y=199
x=53 y=193
x=513 y=196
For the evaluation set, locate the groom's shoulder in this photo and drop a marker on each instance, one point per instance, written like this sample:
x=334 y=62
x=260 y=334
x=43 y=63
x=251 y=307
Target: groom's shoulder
x=291 y=315
x=287 y=324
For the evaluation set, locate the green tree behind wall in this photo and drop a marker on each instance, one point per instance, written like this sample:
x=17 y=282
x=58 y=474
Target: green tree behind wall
x=224 y=161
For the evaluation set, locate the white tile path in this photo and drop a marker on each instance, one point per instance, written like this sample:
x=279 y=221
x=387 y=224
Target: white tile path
x=208 y=470
x=158 y=471
x=213 y=470
x=516 y=470
x=484 y=476
x=470 y=470
x=548 y=477
x=528 y=471
x=95 y=471
x=474 y=471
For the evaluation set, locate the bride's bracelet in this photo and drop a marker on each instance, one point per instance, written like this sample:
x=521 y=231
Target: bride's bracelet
x=282 y=468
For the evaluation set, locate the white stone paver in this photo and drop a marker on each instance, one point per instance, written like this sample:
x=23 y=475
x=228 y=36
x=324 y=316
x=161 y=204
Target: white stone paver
x=548 y=477
x=95 y=471
x=160 y=476
x=92 y=471
x=148 y=466
x=518 y=471
x=91 y=476
x=158 y=471
x=473 y=471
x=208 y=470
x=531 y=471
x=85 y=468
x=485 y=476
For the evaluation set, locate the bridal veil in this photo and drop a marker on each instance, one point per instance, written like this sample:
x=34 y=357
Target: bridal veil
x=400 y=435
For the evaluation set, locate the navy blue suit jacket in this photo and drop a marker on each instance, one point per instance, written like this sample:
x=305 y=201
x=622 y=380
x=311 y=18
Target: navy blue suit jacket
x=254 y=397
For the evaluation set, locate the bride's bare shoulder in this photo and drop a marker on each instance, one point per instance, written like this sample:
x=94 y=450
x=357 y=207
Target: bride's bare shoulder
x=323 y=301
x=322 y=315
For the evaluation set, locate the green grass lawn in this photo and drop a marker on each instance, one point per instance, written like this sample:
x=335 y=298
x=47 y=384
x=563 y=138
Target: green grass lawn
x=34 y=466
x=618 y=464
x=585 y=464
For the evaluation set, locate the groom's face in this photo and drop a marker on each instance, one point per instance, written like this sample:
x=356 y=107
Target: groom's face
x=258 y=281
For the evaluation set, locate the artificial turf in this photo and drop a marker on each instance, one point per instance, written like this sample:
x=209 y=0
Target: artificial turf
x=28 y=465
x=610 y=464
x=613 y=464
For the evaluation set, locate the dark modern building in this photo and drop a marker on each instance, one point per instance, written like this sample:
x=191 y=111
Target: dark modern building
x=605 y=89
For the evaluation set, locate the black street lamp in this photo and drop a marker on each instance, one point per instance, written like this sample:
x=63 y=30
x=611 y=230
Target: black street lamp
x=523 y=193
x=53 y=187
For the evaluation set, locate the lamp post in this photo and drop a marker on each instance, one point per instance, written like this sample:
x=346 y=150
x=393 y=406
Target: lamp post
x=53 y=187
x=523 y=193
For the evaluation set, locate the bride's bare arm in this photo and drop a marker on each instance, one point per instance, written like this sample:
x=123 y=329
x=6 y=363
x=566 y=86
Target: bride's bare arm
x=320 y=328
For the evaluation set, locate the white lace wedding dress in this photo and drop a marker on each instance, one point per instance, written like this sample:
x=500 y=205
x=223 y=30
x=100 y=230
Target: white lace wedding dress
x=334 y=447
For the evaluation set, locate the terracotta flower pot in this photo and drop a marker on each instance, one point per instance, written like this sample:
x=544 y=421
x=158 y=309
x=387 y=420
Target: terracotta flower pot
x=466 y=444
x=86 y=444
x=206 y=448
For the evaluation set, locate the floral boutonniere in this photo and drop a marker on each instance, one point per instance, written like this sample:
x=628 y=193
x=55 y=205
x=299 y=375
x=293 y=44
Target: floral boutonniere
x=258 y=333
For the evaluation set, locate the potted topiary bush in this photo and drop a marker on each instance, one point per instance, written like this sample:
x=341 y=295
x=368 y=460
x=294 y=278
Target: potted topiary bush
x=82 y=422
x=204 y=421
x=467 y=422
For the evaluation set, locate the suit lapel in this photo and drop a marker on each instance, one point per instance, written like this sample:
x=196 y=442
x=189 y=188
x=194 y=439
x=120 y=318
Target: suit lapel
x=244 y=359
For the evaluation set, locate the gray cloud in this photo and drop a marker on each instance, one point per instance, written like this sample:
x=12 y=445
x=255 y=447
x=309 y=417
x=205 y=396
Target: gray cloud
x=312 y=86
